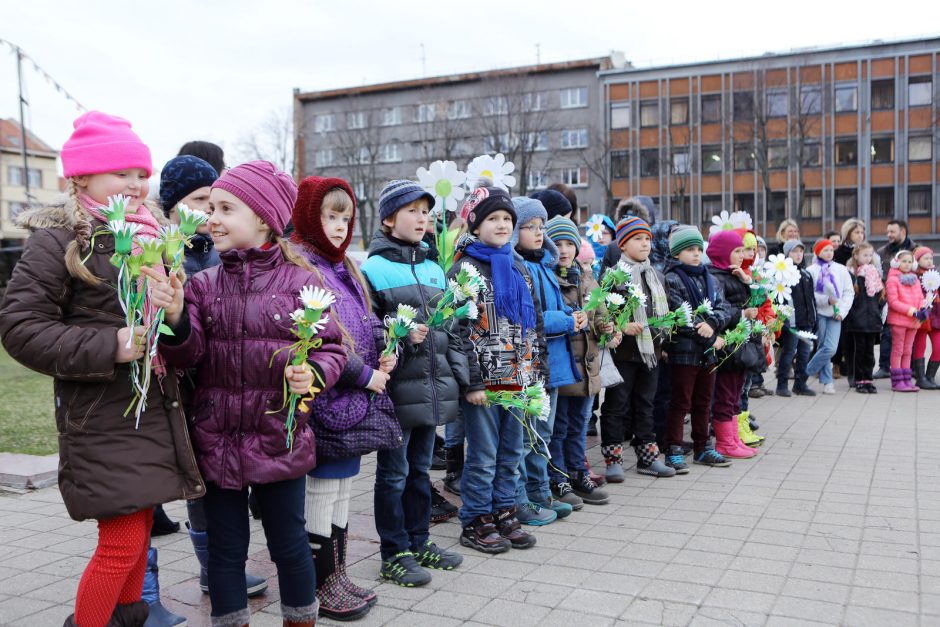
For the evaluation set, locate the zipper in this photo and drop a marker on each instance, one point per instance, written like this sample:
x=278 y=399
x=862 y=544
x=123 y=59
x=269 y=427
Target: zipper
x=429 y=338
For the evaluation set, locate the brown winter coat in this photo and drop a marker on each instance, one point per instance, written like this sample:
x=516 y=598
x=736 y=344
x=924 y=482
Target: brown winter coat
x=67 y=329
x=584 y=344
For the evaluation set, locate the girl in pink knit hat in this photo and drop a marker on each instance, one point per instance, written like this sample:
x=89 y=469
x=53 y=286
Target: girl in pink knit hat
x=924 y=373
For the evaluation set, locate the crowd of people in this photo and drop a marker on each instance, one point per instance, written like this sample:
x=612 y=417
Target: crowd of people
x=213 y=431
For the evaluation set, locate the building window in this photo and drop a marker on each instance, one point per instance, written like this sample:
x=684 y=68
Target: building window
x=882 y=149
x=882 y=202
x=391 y=116
x=919 y=148
x=534 y=101
x=390 y=153
x=323 y=123
x=846 y=152
x=711 y=159
x=574 y=97
x=779 y=201
x=882 y=94
x=356 y=120
x=536 y=142
x=743 y=106
x=537 y=179
x=458 y=110
x=777 y=103
x=846 y=98
x=810 y=100
x=324 y=158
x=743 y=158
x=574 y=138
x=711 y=108
x=649 y=162
x=778 y=156
x=35 y=177
x=620 y=115
x=496 y=143
x=425 y=113
x=919 y=91
x=811 y=152
x=744 y=202
x=846 y=203
x=497 y=105
x=679 y=111
x=919 y=200
x=680 y=162
x=364 y=156
x=649 y=113
x=711 y=205
x=576 y=177
x=812 y=206
x=15 y=175
x=619 y=164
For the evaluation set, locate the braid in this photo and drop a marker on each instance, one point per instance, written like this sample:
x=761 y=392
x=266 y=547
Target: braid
x=82 y=231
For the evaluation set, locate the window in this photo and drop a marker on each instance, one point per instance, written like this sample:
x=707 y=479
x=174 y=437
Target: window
x=574 y=138
x=391 y=116
x=534 y=101
x=882 y=149
x=649 y=113
x=390 y=152
x=458 y=110
x=679 y=111
x=324 y=158
x=535 y=142
x=680 y=162
x=743 y=158
x=882 y=94
x=778 y=156
x=15 y=175
x=711 y=159
x=425 y=113
x=811 y=151
x=323 y=123
x=812 y=206
x=743 y=106
x=846 y=203
x=497 y=105
x=620 y=116
x=810 y=100
x=574 y=97
x=778 y=207
x=744 y=202
x=649 y=162
x=537 y=179
x=576 y=177
x=496 y=143
x=846 y=98
x=919 y=148
x=681 y=209
x=918 y=200
x=619 y=164
x=919 y=91
x=356 y=119
x=711 y=108
x=882 y=202
x=777 y=103
x=364 y=156
x=846 y=152
x=711 y=205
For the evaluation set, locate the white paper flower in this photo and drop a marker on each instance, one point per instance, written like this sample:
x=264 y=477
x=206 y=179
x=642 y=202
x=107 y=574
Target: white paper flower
x=930 y=280
x=782 y=269
x=685 y=311
x=595 y=227
x=497 y=169
x=781 y=292
x=639 y=295
x=298 y=315
x=443 y=181
x=725 y=221
x=406 y=313
x=806 y=336
x=320 y=324
x=706 y=307
x=316 y=297
x=616 y=299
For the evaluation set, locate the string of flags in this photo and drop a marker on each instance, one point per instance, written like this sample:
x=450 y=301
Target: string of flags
x=49 y=79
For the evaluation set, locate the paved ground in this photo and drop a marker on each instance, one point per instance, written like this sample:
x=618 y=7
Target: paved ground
x=836 y=521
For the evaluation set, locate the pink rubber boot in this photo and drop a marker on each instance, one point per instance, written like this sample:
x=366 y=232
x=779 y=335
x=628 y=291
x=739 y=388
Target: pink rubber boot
x=727 y=442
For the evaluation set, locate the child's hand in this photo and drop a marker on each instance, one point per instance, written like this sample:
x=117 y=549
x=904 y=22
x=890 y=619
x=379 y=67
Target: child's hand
x=633 y=329
x=912 y=312
x=605 y=328
x=299 y=379
x=580 y=320
x=417 y=336
x=378 y=381
x=750 y=313
x=137 y=347
x=741 y=274
x=705 y=330
x=477 y=398
x=387 y=363
x=166 y=293
x=833 y=301
x=719 y=343
x=615 y=340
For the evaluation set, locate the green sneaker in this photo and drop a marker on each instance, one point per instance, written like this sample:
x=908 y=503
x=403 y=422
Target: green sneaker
x=404 y=570
x=433 y=556
x=561 y=508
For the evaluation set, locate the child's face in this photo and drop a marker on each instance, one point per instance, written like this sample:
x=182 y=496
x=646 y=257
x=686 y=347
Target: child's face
x=606 y=237
x=197 y=200
x=567 y=252
x=410 y=222
x=749 y=253
x=762 y=252
x=232 y=224
x=736 y=258
x=905 y=263
x=826 y=253
x=132 y=182
x=925 y=262
x=691 y=256
x=496 y=229
x=335 y=225
x=637 y=247
x=865 y=257
x=797 y=255
x=530 y=234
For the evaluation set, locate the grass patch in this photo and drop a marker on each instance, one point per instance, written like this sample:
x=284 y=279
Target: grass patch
x=27 y=412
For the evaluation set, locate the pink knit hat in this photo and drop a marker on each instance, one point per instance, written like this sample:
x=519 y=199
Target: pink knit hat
x=269 y=192
x=103 y=143
x=920 y=251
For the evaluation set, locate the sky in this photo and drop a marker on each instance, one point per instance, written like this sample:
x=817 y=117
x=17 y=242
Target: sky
x=215 y=70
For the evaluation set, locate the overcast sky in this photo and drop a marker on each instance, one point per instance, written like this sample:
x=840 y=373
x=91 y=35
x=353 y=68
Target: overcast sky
x=215 y=69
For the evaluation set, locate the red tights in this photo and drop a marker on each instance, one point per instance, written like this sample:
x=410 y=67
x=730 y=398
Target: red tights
x=115 y=574
x=920 y=344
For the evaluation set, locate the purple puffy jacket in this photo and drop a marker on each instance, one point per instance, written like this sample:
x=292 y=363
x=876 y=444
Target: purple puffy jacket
x=238 y=315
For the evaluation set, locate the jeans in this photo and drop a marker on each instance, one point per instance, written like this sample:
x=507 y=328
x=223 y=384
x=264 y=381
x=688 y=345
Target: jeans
x=884 y=348
x=568 y=437
x=403 y=492
x=628 y=407
x=494 y=452
x=227 y=518
x=533 y=470
x=744 y=403
x=692 y=388
x=792 y=346
x=454 y=434
x=827 y=332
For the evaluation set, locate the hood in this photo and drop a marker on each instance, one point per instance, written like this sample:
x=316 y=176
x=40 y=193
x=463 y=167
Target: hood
x=395 y=250
x=61 y=215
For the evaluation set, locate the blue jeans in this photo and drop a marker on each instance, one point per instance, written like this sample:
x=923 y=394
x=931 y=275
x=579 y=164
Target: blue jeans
x=884 y=348
x=403 y=492
x=454 y=434
x=792 y=346
x=533 y=470
x=827 y=332
x=746 y=390
x=491 y=470
x=568 y=445
x=227 y=526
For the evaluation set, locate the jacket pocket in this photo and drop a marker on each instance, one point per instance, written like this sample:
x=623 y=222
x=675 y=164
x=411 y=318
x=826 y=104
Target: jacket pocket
x=75 y=402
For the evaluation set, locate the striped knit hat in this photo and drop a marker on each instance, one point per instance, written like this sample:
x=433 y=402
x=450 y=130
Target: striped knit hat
x=630 y=226
x=399 y=193
x=560 y=228
x=685 y=236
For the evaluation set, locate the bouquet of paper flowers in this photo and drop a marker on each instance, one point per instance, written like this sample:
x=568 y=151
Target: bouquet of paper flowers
x=459 y=299
x=683 y=316
x=398 y=327
x=930 y=281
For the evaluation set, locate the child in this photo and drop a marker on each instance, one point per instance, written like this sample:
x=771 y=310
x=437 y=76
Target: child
x=691 y=351
x=834 y=291
x=237 y=316
x=863 y=324
x=923 y=257
x=628 y=407
x=60 y=316
x=425 y=387
x=187 y=180
x=358 y=417
x=905 y=300
x=803 y=301
x=504 y=353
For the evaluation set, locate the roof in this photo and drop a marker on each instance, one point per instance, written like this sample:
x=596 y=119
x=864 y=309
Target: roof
x=11 y=139
x=599 y=63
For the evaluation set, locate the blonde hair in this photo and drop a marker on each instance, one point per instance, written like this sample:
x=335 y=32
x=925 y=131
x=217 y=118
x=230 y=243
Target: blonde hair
x=82 y=230
x=783 y=227
x=850 y=225
x=852 y=263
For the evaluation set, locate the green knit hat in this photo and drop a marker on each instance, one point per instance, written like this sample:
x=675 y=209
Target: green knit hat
x=684 y=236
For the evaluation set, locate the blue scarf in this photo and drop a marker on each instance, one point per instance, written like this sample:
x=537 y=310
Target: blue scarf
x=511 y=294
x=686 y=272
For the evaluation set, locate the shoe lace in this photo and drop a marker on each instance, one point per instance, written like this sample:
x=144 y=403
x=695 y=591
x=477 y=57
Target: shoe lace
x=564 y=488
x=675 y=460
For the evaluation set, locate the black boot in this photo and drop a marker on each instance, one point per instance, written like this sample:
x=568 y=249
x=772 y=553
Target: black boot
x=162 y=525
x=453 y=456
x=923 y=381
x=932 y=367
x=335 y=601
x=441 y=508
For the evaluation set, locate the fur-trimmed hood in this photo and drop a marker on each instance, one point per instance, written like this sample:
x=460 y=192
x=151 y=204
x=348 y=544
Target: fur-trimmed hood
x=61 y=215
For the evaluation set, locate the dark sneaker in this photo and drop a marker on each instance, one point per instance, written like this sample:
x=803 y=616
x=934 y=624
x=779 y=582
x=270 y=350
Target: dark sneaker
x=784 y=392
x=510 y=529
x=482 y=534
x=433 y=556
x=871 y=388
x=711 y=457
x=404 y=570
x=441 y=508
x=861 y=387
x=585 y=488
x=563 y=492
x=560 y=508
x=803 y=391
x=536 y=515
x=756 y=393
x=676 y=460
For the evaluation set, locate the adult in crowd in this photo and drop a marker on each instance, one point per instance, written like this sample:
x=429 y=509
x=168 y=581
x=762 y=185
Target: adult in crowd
x=788 y=230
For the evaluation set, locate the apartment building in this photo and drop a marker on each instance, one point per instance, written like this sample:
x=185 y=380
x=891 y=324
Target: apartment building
x=40 y=173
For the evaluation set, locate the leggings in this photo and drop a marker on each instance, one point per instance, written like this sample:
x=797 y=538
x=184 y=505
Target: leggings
x=902 y=344
x=326 y=504
x=920 y=344
x=115 y=574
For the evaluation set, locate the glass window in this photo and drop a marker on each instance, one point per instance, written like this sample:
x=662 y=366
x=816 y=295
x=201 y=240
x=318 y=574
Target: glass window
x=390 y=152
x=649 y=162
x=743 y=106
x=882 y=202
x=846 y=203
x=919 y=91
x=711 y=205
x=620 y=116
x=619 y=164
x=711 y=108
x=391 y=116
x=498 y=105
x=919 y=148
x=810 y=100
x=574 y=97
x=496 y=143
x=777 y=103
x=777 y=157
x=744 y=202
x=649 y=113
x=15 y=175
x=811 y=152
x=536 y=142
x=323 y=123
x=846 y=98
x=679 y=111
x=779 y=202
x=919 y=200
x=35 y=178
x=425 y=113
x=458 y=110
x=680 y=162
x=846 y=152
x=882 y=149
x=533 y=101
x=574 y=138
x=356 y=119
x=711 y=158
x=574 y=176
x=537 y=179
x=16 y=208
x=324 y=157
x=743 y=158
x=812 y=205
x=882 y=94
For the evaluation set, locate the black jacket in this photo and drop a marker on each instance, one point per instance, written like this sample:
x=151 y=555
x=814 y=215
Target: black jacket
x=686 y=347
x=804 y=303
x=629 y=351
x=737 y=294
x=889 y=250
x=865 y=314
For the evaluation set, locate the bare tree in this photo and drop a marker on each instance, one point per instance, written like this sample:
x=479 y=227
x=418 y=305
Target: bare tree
x=598 y=160
x=441 y=128
x=272 y=140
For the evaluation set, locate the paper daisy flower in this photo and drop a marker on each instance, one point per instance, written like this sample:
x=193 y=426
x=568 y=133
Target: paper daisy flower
x=320 y=324
x=706 y=308
x=805 y=336
x=406 y=313
x=780 y=268
x=117 y=205
x=151 y=249
x=685 y=314
x=931 y=281
x=497 y=169
x=124 y=233
x=298 y=316
x=444 y=181
x=781 y=292
x=595 y=227
x=190 y=219
x=725 y=221
x=316 y=297
x=616 y=299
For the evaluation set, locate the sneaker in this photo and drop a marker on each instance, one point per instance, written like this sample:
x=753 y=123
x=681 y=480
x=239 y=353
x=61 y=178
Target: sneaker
x=784 y=392
x=804 y=391
x=441 y=508
x=767 y=391
x=404 y=570
x=711 y=457
x=861 y=387
x=433 y=556
x=510 y=529
x=535 y=515
x=829 y=388
x=883 y=373
x=483 y=535
x=563 y=492
x=756 y=393
x=648 y=462
x=871 y=388
x=676 y=460
x=583 y=486
x=560 y=508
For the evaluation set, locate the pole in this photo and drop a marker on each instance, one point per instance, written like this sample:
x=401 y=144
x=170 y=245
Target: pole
x=19 y=79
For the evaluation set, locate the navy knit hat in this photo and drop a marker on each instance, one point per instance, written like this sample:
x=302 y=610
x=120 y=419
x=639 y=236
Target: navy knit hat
x=399 y=193
x=482 y=202
x=181 y=176
x=554 y=202
x=560 y=228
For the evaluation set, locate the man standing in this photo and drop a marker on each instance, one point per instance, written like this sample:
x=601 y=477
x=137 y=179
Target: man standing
x=898 y=239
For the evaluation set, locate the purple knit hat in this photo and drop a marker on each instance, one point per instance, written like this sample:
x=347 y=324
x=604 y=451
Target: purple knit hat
x=269 y=192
